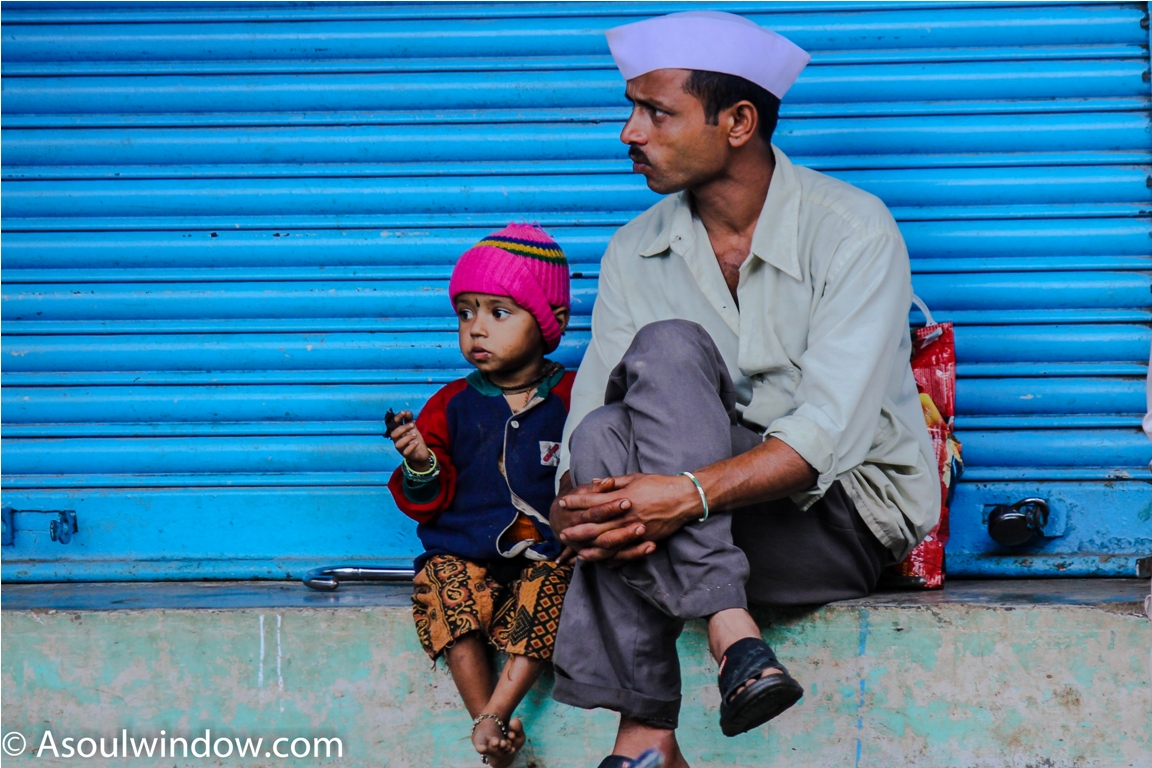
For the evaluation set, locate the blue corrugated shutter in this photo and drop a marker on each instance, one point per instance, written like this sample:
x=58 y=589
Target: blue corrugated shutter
x=228 y=231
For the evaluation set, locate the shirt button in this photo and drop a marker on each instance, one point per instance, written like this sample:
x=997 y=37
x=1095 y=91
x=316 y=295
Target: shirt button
x=515 y=425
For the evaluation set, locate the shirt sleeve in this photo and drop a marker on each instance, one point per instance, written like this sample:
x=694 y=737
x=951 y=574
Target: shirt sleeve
x=420 y=504
x=612 y=332
x=420 y=491
x=857 y=330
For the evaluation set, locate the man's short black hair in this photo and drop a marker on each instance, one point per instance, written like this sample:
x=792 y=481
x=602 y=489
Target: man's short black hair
x=717 y=91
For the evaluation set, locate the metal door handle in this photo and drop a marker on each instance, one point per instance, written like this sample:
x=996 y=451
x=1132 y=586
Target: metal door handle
x=1016 y=524
x=328 y=579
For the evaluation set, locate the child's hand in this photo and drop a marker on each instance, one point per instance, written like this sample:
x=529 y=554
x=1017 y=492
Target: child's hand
x=410 y=443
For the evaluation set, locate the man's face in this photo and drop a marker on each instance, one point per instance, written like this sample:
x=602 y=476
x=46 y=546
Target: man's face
x=668 y=138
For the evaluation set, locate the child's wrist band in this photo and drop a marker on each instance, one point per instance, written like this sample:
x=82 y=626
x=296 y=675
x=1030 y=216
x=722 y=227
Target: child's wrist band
x=426 y=473
x=700 y=490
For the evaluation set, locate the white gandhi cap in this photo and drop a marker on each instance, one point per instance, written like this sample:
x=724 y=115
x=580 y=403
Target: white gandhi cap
x=711 y=41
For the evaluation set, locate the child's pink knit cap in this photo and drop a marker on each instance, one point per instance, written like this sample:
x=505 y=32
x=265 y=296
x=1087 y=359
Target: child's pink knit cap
x=522 y=262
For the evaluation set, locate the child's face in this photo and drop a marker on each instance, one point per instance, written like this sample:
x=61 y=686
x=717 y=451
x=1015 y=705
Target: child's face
x=497 y=335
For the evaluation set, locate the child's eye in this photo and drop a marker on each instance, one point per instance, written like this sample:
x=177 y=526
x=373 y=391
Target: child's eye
x=465 y=314
x=500 y=314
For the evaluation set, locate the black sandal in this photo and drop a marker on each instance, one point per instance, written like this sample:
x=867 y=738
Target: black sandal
x=651 y=758
x=763 y=697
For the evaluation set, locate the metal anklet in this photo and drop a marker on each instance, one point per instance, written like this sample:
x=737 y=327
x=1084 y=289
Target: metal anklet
x=489 y=716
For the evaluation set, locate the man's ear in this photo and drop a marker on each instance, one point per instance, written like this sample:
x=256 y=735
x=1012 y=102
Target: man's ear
x=745 y=122
x=562 y=317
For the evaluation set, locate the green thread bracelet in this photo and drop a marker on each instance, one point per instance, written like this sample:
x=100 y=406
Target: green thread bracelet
x=700 y=490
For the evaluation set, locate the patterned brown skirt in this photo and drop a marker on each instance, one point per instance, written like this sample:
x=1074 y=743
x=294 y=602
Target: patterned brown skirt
x=454 y=596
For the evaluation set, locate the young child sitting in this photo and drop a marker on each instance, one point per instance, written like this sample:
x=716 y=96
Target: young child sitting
x=479 y=477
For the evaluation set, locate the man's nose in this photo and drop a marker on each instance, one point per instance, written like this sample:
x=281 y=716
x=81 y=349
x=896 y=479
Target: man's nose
x=631 y=133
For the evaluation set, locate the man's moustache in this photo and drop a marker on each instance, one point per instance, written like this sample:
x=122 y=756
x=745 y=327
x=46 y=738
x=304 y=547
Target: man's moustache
x=637 y=156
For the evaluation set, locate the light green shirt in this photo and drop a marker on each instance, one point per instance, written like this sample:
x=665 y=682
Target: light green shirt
x=818 y=348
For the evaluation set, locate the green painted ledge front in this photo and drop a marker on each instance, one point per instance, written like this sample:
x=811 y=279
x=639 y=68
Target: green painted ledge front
x=1048 y=674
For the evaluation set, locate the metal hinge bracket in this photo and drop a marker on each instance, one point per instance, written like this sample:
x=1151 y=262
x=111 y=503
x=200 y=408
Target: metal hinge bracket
x=60 y=529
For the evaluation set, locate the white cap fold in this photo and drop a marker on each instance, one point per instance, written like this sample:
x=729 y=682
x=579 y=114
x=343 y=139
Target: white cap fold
x=710 y=41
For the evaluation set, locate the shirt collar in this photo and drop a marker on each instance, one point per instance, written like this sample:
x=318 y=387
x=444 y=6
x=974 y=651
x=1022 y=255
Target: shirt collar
x=481 y=384
x=677 y=228
x=777 y=235
x=775 y=239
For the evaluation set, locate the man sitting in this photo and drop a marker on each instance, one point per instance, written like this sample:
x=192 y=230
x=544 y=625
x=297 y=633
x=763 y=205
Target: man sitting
x=745 y=426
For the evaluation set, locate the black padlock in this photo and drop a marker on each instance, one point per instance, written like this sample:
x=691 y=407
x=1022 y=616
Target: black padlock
x=1014 y=524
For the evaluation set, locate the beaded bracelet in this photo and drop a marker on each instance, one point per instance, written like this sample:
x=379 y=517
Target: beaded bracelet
x=700 y=490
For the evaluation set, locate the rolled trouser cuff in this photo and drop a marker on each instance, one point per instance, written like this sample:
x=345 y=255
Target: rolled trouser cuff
x=659 y=713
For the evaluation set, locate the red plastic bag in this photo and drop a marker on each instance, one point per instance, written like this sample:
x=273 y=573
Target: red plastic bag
x=934 y=367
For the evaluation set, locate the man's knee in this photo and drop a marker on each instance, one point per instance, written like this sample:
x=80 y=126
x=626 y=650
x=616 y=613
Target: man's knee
x=666 y=350
x=671 y=331
x=668 y=346
x=673 y=339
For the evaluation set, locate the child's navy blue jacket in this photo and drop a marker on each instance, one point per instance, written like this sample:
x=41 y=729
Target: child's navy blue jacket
x=469 y=426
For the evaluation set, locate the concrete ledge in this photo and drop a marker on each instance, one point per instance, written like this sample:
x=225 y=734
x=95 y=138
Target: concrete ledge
x=121 y=596
x=992 y=673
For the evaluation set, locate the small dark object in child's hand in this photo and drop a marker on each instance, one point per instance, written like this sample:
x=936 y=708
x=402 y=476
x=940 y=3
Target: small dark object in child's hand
x=391 y=423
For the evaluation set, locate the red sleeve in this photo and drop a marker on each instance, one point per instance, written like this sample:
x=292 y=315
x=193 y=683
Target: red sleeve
x=563 y=389
x=433 y=425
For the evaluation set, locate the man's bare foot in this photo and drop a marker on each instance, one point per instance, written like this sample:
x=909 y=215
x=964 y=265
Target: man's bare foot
x=494 y=745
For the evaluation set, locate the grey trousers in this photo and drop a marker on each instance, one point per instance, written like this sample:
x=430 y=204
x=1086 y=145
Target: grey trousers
x=669 y=407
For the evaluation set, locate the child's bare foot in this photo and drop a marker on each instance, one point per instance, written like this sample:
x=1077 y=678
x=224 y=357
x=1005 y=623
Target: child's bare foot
x=497 y=748
x=516 y=734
